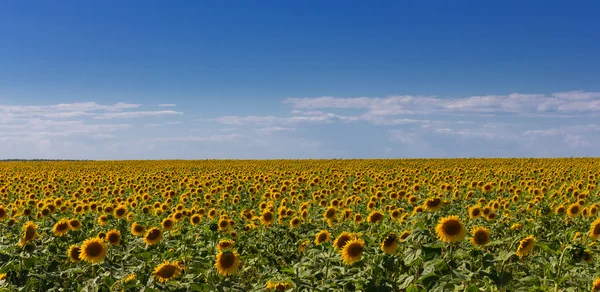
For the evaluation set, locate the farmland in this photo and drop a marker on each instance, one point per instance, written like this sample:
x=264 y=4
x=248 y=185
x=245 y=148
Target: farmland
x=301 y=225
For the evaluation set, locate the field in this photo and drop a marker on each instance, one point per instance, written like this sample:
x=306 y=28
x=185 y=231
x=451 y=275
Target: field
x=301 y=225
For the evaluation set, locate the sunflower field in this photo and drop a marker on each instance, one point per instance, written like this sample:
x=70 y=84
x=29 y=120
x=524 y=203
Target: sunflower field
x=301 y=225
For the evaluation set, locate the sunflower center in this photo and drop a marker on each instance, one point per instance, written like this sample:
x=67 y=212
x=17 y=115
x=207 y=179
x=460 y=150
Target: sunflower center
x=524 y=244
x=227 y=260
x=29 y=233
x=94 y=249
x=75 y=253
x=481 y=237
x=389 y=241
x=452 y=227
x=153 y=234
x=341 y=242
x=113 y=237
x=62 y=227
x=355 y=249
x=322 y=237
x=476 y=212
x=267 y=216
x=330 y=213
x=167 y=271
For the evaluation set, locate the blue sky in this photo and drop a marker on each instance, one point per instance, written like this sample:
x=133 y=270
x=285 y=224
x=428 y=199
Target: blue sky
x=299 y=79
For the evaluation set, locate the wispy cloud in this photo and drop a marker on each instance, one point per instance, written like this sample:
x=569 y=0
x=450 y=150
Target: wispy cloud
x=136 y=114
x=167 y=105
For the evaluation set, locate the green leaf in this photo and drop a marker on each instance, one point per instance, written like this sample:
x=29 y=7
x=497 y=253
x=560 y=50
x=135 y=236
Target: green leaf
x=405 y=281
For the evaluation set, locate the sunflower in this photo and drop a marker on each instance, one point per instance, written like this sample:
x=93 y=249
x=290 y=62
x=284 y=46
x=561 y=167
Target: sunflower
x=353 y=251
x=129 y=278
x=433 y=204
x=120 y=212
x=227 y=263
x=322 y=236
x=516 y=226
x=404 y=235
x=587 y=256
x=93 y=250
x=3 y=213
x=113 y=237
x=29 y=233
x=223 y=224
x=2 y=277
x=267 y=218
x=167 y=271
x=225 y=244
x=61 y=227
x=595 y=229
x=167 y=224
x=342 y=239
x=303 y=245
x=596 y=285
x=358 y=218
x=103 y=220
x=389 y=243
x=137 y=229
x=295 y=222
x=375 y=217
x=153 y=236
x=279 y=286
x=481 y=236
x=450 y=229
x=195 y=219
x=525 y=246
x=74 y=224
x=573 y=210
x=474 y=212
x=74 y=253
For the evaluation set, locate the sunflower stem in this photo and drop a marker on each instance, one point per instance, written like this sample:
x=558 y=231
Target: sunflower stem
x=558 y=268
x=327 y=265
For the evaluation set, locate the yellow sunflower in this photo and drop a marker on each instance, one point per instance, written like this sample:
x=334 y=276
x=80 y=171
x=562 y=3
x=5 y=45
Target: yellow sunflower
x=225 y=244
x=433 y=204
x=267 y=218
x=596 y=285
x=353 y=251
x=480 y=236
x=75 y=224
x=93 y=250
x=474 y=212
x=61 y=227
x=29 y=233
x=375 y=217
x=450 y=229
x=113 y=237
x=167 y=271
x=573 y=210
x=137 y=229
x=153 y=236
x=595 y=229
x=167 y=224
x=525 y=246
x=342 y=239
x=322 y=236
x=74 y=253
x=227 y=263
x=389 y=243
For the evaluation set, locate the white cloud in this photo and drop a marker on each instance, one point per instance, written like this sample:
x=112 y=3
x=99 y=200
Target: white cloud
x=577 y=141
x=571 y=102
x=167 y=105
x=213 y=138
x=137 y=114
x=271 y=130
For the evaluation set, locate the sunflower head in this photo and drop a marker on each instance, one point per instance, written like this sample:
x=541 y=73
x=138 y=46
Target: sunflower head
x=29 y=233
x=74 y=253
x=153 y=236
x=450 y=229
x=596 y=285
x=137 y=229
x=480 y=236
x=93 y=250
x=225 y=244
x=525 y=246
x=375 y=217
x=352 y=251
x=343 y=239
x=322 y=236
x=389 y=243
x=595 y=230
x=75 y=224
x=227 y=263
x=61 y=227
x=433 y=204
x=167 y=224
x=113 y=237
x=167 y=271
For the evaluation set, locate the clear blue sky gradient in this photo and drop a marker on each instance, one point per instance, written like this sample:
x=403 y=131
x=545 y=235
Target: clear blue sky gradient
x=214 y=59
